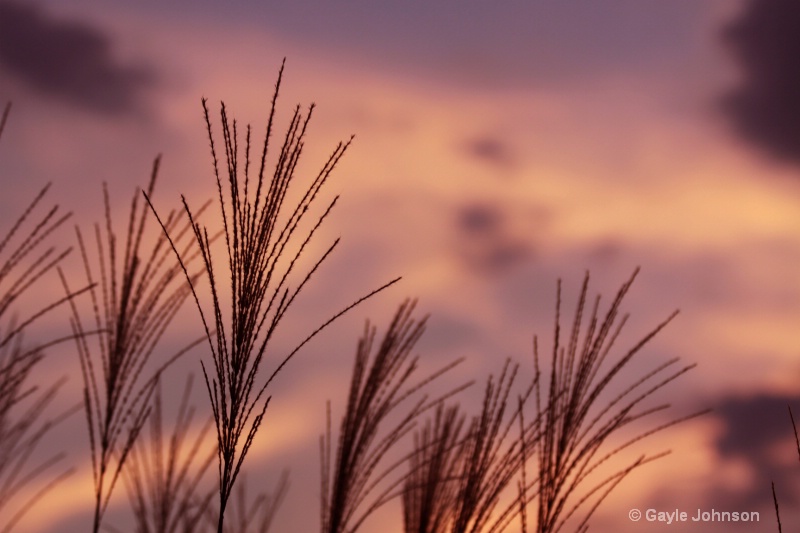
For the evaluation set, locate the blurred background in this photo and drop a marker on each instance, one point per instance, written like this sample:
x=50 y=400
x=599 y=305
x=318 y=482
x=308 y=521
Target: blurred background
x=498 y=148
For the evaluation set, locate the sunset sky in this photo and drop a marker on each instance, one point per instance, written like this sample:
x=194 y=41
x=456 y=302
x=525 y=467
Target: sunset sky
x=498 y=147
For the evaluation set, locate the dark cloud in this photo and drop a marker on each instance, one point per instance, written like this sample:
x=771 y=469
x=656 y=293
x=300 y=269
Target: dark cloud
x=67 y=59
x=758 y=430
x=479 y=43
x=490 y=150
x=479 y=220
x=765 y=107
x=606 y=250
x=485 y=242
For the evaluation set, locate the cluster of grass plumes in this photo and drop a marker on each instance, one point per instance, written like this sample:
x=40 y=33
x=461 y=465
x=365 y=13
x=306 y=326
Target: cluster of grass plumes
x=24 y=261
x=458 y=478
x=491 y=457
x=22 y=428
x=164 y=476
x=379 y=386
x=535 y=454
x=263 y=247
x=459 y=473
x=578 y=421
x=430 y=490
x=135 y=294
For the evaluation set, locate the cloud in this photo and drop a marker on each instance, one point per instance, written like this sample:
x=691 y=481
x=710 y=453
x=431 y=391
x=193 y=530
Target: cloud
x=765 y=107
x=485 y=242
x=484 y=44
x=490 y=150
x=67 y=60
x=757 y=430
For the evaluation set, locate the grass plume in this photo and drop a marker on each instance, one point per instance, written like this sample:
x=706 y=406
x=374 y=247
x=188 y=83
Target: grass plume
x=164 y=476
x=490 y=458
x=576 y=424
x=379 y=386
x=24 y=261
x=258 y=515
x=263 y=247
x=430 y=490
x=135 y=294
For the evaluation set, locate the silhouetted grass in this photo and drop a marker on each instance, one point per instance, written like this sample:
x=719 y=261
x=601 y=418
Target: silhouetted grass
x=22 y=429
x=577 y=421
x=457 y=483
x=262 y=248
x=135 y=294
x=256 y=516
x=794 y=430
x=4 y=118
x=491 y=457
x=378 y=387
x=164 y=476
x=430 y=490
x=797 y=444
x=465 y=474
x=23 y=404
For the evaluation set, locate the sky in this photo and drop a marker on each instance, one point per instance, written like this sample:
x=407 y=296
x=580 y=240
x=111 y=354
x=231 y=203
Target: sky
x=497 y=149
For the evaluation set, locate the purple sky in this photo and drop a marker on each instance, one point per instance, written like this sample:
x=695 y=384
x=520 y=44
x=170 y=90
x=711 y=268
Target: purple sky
x=497 y=149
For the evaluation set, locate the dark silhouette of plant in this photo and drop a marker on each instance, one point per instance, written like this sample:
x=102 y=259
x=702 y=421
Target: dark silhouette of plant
x=491 y=458
x=456 y=483
x=377 y=388
x=134 y=300
x=4 y=118
x=255 y=516
x=522 y=483
x=462 y=471
x=576 y=424
x=430 y=490
x=164 y=477
x=23 y=404
x=262 y=248
x=15 y=283
x=774 y=494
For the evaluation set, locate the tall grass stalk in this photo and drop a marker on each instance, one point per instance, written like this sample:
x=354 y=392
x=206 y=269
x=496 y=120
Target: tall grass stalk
x=263 y=246
x=430 y=490
x=23 y=405
x=4 y=117
x=380 y=384
x=136 y=292
x=797 y=445
x=482 y=469
x=22 y=428
x=457 y=479
x=578 y=421
x=491 y=457
x=256 y=515
x=164 y=476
